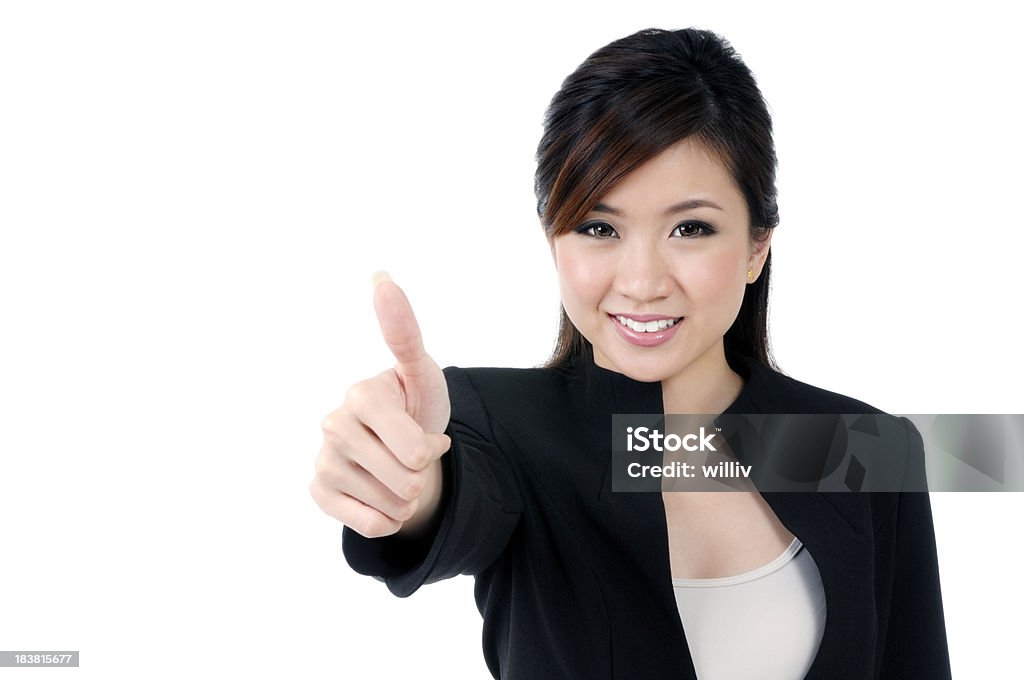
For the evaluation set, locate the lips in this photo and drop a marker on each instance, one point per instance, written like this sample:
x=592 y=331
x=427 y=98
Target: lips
x=663 y=328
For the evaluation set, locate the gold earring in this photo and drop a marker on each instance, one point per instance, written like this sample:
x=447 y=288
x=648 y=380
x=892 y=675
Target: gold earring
x=750 y=275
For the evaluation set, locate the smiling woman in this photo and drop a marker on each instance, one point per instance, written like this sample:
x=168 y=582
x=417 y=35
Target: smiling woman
x=667 y=276
x=656 y=191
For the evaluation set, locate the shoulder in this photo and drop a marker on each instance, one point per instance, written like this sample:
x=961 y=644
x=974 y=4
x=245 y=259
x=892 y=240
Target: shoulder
x=771 y=391
x=517 y=409
x=507 y=382
x=820 y=399
x=887 y=449
x=514 y=393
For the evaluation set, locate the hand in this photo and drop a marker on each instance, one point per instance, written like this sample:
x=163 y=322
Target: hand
x=379 y=469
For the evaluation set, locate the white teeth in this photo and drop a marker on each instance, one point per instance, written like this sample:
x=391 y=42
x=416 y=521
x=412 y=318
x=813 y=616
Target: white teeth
x=646 y=326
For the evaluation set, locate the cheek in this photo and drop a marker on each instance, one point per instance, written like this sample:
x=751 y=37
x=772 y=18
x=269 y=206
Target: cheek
x=581 y=277
x=716 y=276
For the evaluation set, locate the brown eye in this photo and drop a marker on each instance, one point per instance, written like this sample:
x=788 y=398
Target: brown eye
x=694 y=229
x=601 y=230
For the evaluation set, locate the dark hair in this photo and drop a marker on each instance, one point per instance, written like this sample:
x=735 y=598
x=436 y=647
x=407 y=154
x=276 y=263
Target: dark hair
x=629 y=101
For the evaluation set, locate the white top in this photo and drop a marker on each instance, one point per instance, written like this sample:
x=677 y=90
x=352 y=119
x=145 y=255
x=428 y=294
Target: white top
x=765 y=624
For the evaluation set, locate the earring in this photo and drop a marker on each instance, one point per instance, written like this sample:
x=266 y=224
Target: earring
x=750 y=275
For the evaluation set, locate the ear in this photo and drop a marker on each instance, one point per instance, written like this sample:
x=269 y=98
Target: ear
x=554 y=256
x=758 y=254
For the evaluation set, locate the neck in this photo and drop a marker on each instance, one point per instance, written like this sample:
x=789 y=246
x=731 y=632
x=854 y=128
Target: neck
x=708 y=385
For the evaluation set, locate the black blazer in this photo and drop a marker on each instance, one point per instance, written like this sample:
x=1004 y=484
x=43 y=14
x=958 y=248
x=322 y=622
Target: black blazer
x=574 y=581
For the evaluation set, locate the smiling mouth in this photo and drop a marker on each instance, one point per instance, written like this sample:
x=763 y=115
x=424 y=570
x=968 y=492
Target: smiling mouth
x=647 y=326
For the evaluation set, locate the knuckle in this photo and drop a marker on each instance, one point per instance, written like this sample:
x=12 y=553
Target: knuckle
x=338 y=433
x=378 y=525
x=413 y=487
x=321 y=497
x=329 y=424
x=332 y=451
x=322 y=467
x=419 y=457
x=359 y=393
x=336 y=423
x=407 y=510
x=412 y=460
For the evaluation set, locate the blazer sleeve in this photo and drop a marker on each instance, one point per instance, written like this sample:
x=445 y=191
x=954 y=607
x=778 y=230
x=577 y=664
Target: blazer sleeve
x=914 y=631
x=480 y=507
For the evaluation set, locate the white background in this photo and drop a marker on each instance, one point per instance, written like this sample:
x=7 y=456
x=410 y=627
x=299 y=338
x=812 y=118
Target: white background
x=193 y=196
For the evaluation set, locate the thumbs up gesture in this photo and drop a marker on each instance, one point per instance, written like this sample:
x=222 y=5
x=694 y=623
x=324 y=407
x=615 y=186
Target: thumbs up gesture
x=379 y=468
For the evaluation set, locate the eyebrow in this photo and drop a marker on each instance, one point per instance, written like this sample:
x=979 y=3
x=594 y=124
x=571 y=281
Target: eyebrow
x=678 y=207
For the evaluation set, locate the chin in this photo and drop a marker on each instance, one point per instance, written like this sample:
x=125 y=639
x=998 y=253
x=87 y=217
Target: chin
x=647 y=377
x=642 y=371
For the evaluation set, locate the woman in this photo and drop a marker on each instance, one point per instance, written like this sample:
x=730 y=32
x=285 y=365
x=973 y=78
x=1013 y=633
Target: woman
x=656 y=189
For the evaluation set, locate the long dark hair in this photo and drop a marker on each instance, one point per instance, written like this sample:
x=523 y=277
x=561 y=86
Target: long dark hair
x=629 y=101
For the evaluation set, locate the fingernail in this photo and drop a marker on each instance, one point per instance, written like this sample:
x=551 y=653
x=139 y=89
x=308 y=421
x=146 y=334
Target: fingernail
x=379 y=276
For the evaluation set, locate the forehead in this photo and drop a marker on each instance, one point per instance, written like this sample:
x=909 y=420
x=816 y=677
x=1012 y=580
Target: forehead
x=685 y=170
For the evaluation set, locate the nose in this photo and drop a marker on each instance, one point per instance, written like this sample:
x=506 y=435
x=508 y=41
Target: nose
x=643 y=273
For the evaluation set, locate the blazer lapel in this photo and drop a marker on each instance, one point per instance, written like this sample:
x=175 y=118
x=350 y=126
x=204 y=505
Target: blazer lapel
x=832 y=527
x=835 y=530
x=843 y=554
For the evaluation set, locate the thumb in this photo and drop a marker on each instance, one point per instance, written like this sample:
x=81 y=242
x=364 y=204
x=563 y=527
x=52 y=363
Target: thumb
x=399 y=327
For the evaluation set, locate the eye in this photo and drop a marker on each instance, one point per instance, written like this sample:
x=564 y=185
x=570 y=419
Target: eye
x=694 y=229
x=600 y=230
